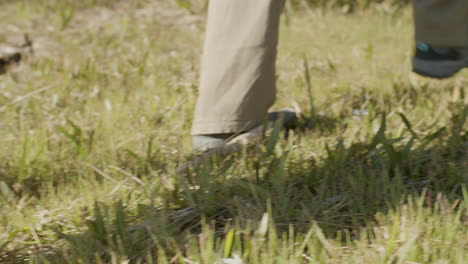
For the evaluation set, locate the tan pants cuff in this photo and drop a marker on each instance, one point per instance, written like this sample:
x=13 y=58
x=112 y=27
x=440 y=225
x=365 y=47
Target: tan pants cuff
x=441 y=22
x=441 y=39
x=222 y=127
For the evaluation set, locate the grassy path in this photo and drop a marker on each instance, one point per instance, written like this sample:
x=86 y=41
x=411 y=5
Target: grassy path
x=95 y=122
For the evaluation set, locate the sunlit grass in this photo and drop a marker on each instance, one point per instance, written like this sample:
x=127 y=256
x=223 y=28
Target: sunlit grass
x=95 y=125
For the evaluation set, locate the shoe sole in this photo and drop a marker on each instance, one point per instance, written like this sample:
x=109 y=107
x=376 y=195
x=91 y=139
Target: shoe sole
x=284 y=118
x=281 y=119
x=438 y=69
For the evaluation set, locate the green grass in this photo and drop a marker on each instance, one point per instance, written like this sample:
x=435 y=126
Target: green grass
x=95 y=124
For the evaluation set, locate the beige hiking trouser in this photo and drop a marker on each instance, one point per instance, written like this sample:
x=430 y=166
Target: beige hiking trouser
x=441 y=22
x=237 y=83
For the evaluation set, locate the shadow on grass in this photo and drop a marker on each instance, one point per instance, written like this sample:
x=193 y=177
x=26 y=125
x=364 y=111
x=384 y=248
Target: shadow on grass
x=319 y=122
x=342 y=191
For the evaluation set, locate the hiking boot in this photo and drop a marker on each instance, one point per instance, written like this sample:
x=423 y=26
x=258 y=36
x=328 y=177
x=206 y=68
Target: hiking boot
x=439 y=62
x=226 y=143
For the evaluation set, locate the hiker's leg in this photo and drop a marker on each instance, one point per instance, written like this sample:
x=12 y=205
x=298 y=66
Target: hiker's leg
x=237 y=83
x=441 y=23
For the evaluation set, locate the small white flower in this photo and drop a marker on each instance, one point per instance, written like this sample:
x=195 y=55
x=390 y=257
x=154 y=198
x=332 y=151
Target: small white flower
x=108 y=105
x=232 y=261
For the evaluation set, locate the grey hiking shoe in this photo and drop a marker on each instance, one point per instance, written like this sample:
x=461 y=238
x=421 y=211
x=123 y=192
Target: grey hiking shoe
x=226 y=143
x=439 y=62
x=205 y=142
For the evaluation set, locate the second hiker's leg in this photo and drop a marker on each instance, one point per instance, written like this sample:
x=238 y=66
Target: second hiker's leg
x=237 y=83
x=441 y=28
x=441 y=23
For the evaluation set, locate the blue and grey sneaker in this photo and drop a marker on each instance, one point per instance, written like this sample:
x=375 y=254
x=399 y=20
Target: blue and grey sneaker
x=226 y=143
x=439 y=62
